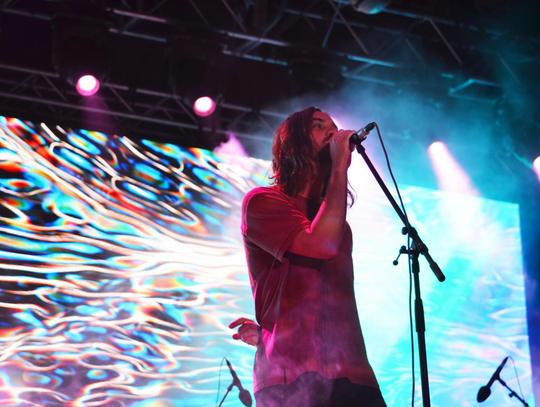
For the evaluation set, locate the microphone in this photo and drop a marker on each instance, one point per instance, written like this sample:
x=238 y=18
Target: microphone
x=485 y=391
x=361 y=134
x=244 y=396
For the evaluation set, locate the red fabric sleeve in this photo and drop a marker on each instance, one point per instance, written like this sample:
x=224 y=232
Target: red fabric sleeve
x=271 y=221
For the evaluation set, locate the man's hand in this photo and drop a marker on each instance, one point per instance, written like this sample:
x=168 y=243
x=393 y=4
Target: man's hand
x=248 y=331
x=341 y=148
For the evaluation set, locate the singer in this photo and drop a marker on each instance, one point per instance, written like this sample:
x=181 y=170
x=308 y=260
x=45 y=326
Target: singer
x=310 y=349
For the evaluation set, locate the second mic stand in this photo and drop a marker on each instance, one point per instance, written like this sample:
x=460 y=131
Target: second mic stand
x=228 y=391
x=418 y=248
x=512 y=392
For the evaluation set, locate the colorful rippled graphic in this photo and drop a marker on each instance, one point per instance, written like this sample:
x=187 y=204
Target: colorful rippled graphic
x=121 y=265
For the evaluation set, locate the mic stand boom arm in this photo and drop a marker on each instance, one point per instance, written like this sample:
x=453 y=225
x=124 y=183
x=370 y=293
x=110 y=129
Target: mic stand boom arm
x=512 y=392
x=418 y=247
x=422 y=248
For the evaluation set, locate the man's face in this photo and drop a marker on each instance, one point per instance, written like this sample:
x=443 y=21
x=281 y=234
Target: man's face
x=323 y=129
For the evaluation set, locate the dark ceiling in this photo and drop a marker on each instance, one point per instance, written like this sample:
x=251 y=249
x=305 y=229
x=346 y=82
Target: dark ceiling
x=260 y=53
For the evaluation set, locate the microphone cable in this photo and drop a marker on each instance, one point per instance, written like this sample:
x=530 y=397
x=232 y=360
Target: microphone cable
x=517 y=377
x=219 y=380
x=409 y=262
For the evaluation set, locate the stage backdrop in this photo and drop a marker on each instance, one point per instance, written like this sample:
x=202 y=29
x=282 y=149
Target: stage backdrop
x=122 y=265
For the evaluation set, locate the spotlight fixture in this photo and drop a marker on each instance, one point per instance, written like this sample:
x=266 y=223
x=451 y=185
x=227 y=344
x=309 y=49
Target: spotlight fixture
x=437 y=148
x=449 y=173
x=87 y=85
x=536 y=167
x=195 y=69
x=204 y=106
x=536 y=164
x=81 y=46
x=196 y=75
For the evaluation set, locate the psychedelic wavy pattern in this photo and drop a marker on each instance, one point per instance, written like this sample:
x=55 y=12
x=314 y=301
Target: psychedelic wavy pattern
x=120 y=262
x=121 y=266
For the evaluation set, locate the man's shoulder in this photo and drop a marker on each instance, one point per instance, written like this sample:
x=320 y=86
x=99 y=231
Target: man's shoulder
x=267 y=197
x=263 y=191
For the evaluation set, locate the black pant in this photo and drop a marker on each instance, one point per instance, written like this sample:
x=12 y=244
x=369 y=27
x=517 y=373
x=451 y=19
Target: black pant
x=312 y=390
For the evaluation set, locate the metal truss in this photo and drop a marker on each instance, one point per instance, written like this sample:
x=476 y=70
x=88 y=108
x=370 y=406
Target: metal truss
x=149 y=113
x=403 y=46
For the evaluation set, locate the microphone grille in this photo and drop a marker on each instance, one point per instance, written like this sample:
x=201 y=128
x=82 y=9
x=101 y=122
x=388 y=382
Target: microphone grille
x=483 y=394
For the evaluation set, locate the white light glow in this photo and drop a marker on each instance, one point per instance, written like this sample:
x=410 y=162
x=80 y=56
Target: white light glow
x=204 y=106
x=536 y=167
x=438 y=147
x=87 y=85
x=450 y=176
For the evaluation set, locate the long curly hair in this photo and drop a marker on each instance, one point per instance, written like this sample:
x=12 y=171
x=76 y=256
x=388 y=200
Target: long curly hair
x=293 y=154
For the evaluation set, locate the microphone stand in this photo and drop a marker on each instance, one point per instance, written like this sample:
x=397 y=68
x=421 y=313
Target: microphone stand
x=418 y=247
x=228 y=390
x=512 y=392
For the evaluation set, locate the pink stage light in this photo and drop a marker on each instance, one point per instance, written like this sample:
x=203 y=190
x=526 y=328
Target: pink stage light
x=450 y=176
x=87 y=85
x=204 y=106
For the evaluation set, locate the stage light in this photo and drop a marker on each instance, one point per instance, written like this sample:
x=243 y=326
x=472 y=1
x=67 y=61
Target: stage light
x=82 y=46
x=437 y=148
x=204 y=106
x=536 y=164
x=197 y=75
x=450 y=176
x=536 y=167
x=87 y=85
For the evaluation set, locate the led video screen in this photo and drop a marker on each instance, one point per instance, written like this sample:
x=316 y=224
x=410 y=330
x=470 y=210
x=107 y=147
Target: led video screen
x=122 y=265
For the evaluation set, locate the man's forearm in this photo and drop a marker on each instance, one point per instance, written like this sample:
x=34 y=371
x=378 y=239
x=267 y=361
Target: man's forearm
x=322 y=239
x=329 y=223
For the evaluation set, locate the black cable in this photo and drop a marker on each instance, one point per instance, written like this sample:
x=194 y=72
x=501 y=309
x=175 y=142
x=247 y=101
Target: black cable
x=219 y=380
x=517 y=377
x=408 y=226
x=393 y=179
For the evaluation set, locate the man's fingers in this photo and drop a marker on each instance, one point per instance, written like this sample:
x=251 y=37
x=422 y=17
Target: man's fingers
x=252 y=340
x=248 y=331
x=239 y=321
x=247 y=327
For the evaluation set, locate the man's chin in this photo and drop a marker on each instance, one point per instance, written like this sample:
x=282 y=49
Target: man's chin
x=324 y=156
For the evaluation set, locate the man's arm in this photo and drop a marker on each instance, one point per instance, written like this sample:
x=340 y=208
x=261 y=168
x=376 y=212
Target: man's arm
x=322 y=238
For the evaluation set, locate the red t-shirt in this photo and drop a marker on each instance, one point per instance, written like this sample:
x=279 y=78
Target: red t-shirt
x=306 y=307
